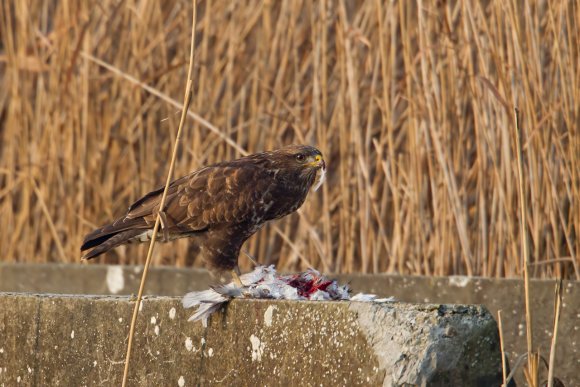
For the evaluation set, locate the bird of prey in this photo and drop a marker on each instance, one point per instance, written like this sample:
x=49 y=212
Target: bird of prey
x=219 y=206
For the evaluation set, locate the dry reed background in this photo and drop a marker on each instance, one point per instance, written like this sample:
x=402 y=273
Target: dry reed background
x=411 y=103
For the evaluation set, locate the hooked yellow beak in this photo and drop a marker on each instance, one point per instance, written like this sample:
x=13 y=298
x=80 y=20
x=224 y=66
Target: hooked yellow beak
x=318 y=162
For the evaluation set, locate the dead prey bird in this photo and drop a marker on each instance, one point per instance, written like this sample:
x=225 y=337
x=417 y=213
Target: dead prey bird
x=219 y=206
x=265 y=283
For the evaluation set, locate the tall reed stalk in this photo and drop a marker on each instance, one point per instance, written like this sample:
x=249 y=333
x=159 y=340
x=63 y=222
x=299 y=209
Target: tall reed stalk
x=407 y=101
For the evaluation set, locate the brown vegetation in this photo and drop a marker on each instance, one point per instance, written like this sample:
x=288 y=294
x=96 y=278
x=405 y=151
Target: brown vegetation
x=412 y=106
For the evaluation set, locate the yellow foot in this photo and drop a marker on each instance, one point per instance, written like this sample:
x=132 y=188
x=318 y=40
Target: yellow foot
x=236 y=277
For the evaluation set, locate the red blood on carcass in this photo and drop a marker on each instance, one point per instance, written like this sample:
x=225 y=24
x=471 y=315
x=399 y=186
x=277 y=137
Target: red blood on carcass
x=307 y=283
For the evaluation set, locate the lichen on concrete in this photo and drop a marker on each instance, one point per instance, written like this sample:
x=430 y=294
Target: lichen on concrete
x=429 y=344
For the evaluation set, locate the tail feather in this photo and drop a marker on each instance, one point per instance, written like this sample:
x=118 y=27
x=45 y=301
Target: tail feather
x=92 y=241
x=104 y=243
x=112 y=235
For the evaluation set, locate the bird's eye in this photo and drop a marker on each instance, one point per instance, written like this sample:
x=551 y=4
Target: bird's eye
x=300 y=157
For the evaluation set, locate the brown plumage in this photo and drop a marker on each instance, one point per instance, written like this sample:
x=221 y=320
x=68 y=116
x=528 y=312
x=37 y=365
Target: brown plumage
x=220 y=206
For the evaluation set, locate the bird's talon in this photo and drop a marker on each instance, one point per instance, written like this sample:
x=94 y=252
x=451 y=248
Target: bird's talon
x=236 y=277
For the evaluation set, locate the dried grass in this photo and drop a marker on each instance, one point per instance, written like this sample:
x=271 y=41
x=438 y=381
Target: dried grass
x=410 y=103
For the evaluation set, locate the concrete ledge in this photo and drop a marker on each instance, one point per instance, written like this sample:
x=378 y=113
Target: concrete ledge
x=99 y=279
x=80 y=340
x=495 y=294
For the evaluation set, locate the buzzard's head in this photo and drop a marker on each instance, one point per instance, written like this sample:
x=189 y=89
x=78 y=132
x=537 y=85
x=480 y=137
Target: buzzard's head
x=302 y=161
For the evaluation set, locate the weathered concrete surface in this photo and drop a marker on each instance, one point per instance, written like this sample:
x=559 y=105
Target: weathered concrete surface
x=80 y=340
x=99 y=279
x=500 y=294
x=495 y=294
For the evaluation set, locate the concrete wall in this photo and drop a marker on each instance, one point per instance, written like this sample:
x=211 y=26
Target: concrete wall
x=506 y=295
x=80 y=340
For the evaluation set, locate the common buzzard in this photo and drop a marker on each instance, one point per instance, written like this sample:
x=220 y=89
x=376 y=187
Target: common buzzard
x=219 y=206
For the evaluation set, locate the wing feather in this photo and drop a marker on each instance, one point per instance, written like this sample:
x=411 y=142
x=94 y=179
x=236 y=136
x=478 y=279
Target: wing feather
x=213 y=195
